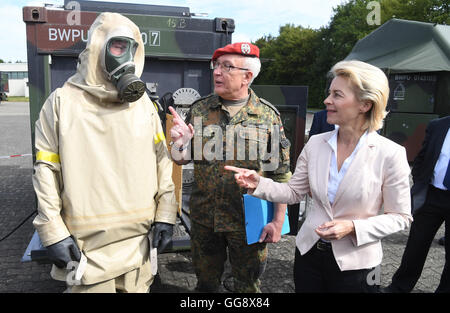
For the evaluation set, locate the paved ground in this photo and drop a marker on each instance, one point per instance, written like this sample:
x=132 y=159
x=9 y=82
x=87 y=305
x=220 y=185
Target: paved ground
x=176 y=273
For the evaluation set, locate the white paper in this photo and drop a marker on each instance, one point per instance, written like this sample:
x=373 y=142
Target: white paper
x=81 y=267
x=154 y=261
x=153 y=254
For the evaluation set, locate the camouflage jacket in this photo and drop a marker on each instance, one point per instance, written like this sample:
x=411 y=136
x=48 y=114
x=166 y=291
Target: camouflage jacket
x=254 y=138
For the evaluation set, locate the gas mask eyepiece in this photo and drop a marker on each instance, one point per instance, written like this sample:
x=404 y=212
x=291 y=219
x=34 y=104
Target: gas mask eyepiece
x=120 y=67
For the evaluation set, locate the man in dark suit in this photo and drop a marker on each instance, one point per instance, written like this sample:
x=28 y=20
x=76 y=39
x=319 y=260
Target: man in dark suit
x=431 y=207
x=319 y=124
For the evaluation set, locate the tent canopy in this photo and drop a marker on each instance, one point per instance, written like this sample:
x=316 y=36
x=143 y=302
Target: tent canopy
x=401 y=46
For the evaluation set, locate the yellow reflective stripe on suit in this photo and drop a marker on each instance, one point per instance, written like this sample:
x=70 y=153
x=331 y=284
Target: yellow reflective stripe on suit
x=47 y=156
x=159 y=137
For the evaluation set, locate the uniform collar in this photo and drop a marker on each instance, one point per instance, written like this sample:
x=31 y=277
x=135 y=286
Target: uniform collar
x=251 y=108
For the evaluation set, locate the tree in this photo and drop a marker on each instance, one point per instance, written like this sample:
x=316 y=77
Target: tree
x=287 y=59
x=303 y=56
x=281 y=64
x=431 y=11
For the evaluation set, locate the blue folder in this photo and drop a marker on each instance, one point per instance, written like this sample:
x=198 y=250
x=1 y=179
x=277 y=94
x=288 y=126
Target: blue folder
x=258 y=213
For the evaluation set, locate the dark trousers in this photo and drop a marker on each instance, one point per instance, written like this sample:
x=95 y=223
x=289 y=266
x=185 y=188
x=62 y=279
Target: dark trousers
x=427 y=221
x=209 y=253
x=317 y=271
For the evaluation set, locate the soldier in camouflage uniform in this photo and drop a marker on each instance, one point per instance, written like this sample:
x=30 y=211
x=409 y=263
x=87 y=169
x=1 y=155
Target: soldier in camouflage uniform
x=231 y=127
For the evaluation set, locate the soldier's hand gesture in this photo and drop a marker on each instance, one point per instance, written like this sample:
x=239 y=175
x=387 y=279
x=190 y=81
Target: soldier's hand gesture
x=180 y=132
x=245 y=178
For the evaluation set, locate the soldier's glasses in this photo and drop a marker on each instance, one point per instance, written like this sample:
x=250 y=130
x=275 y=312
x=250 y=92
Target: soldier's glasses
x=225 y=67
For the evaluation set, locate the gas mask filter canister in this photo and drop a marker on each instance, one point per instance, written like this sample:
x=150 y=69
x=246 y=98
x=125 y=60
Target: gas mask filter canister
x=119 y=65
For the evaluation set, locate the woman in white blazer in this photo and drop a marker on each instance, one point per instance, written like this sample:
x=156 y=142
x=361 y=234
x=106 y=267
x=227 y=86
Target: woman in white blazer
x=359 y=182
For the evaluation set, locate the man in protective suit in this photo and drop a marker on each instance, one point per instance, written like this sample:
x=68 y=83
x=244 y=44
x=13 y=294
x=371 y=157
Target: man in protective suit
x=102 y=173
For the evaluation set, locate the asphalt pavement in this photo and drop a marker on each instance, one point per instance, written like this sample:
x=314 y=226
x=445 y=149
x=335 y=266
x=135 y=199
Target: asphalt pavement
x=175 y=269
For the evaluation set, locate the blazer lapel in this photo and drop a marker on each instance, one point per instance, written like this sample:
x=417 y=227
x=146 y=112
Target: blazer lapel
x=362 y=155
x=323 y=171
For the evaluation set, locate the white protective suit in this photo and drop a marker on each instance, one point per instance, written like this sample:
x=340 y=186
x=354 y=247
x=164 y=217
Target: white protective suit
x=102 y=172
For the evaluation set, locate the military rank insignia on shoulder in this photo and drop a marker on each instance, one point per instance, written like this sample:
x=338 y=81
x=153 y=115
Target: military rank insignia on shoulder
x=270 y=105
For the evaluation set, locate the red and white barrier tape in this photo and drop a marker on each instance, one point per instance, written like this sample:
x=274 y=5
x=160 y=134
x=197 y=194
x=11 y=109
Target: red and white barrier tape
x=15 y=156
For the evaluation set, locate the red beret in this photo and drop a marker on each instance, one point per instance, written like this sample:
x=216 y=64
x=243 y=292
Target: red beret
x=242 y=48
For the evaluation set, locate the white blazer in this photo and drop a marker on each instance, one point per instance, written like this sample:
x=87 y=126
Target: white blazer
x=376 y=182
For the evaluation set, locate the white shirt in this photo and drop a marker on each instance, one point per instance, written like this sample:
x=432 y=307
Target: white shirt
x=441 y=165
x=336 y=176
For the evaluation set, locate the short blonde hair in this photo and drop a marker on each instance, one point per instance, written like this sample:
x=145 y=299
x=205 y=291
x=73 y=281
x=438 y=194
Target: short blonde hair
x=369 y=84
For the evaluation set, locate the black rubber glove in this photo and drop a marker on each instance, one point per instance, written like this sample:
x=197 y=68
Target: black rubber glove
x=162 y=235
x=63 y=252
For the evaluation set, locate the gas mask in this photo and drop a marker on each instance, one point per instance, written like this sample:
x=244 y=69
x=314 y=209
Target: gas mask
x=119 y=65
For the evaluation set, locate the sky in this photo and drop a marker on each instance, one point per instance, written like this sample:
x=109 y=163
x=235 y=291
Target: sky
x=253 y=18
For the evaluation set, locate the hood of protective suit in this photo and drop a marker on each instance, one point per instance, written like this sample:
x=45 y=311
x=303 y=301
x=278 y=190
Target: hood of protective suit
x=91 y=74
